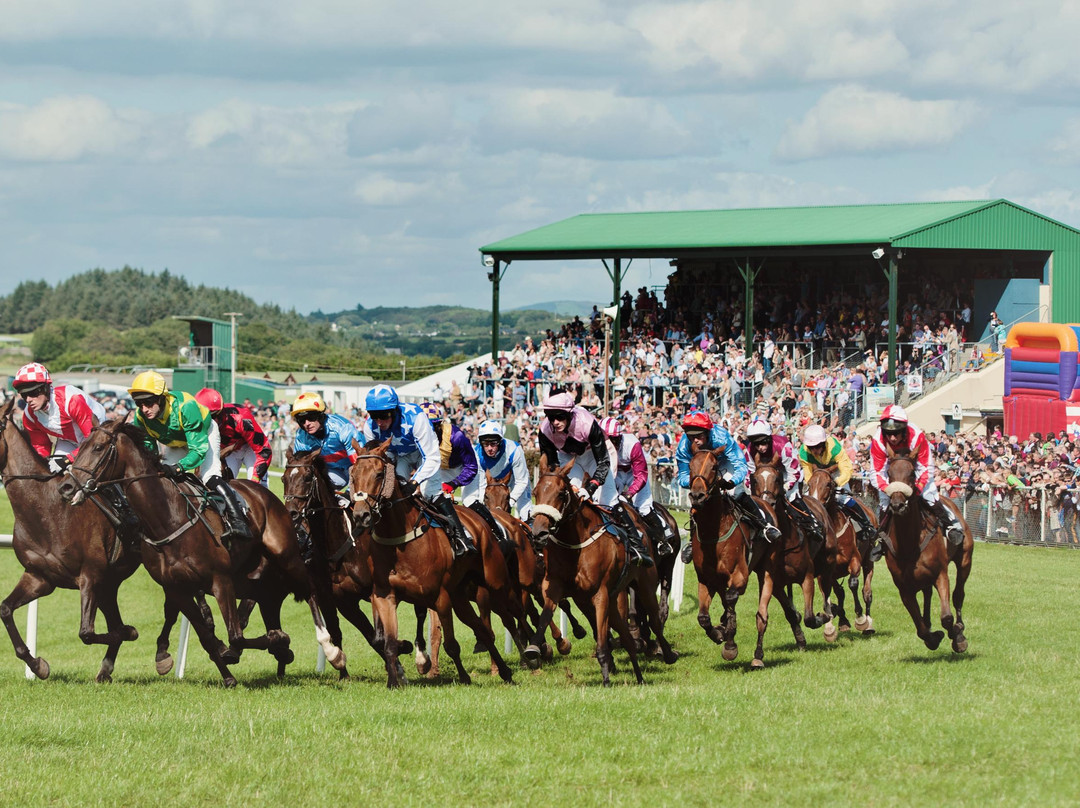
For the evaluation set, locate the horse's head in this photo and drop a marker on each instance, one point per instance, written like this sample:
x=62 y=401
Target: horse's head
x=103 y=458
x=372 y=482
x=554 y=497
x=704 y=475
x=496 y=494
x=304 y=482
x=822 y=484
x=767 y=482
x=901 y=485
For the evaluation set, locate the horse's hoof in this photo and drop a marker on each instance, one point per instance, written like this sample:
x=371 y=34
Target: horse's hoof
x=404 y=647
x=607 y=683
x=652 y=649
x=479 y=648
x=285 y=657
x=531 y=664
x=336 y=658
x=423 y=664
x=41 y=668
x=730 y=652
x=563 y=646
x=845 y=627
x=163 y=664
x=105 y=674
x=934 y=640
x=829 y=632
x=531 y=652
x=715 y=635
x=757 y=664
x=129 y=633
x=579 y=632
x=103 y=678
x=546 y=653
x=671 y=657
x=869 y=629
x=229 y=682
x=861 y=623
x=230 y=656
x=959 y=644
x=281 y=669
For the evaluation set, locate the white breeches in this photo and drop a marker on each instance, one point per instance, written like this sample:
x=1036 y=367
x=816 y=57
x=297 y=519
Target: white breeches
x=431 y=487
x=606 y=495
x=243 y=458
x=211 y=465
x=642 y=500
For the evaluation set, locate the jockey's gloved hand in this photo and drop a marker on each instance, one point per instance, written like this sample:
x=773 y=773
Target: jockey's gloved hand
x=448 y=489
x=58 y=464
x=590 y=486
x=169 y=470
x=727 y=481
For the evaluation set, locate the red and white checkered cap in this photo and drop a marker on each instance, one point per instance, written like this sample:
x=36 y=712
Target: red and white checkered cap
x=34 y=373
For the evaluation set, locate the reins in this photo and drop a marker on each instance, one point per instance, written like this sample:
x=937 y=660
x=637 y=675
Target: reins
x=308 y=498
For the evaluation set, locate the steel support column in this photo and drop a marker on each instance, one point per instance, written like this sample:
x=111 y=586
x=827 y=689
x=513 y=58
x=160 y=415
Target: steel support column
x=749 y=274
x=891 y=273
x=495 y=276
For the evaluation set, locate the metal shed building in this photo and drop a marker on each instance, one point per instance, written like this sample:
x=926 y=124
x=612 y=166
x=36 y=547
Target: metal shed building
x=1019 y=257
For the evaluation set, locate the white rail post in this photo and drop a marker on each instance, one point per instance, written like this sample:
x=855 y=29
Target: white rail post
x=31 y=633
x=181 y=651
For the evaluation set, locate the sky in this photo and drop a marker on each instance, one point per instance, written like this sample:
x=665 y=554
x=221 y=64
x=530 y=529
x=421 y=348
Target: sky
x=329 y=153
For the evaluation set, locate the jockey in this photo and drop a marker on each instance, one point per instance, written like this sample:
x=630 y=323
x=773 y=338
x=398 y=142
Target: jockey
x=190 y=439
x=766 y=449
x=62 y=411
x=900 y=436
x=700 y=433
x=330 y=433
x=417 y=453
x=504 y=460
x=819 y=451
x=632 y=481
x=243 y=443
x=569 y=432
x=457 y=469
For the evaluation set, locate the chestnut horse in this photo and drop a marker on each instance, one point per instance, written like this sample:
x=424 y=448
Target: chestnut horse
x=918 y=556
x=853 y=550
x=412 y=561
x=338 y=562
x=182 y=552
x=721 y=542
x=587 y=562
x=787 y=562
x=60 y=547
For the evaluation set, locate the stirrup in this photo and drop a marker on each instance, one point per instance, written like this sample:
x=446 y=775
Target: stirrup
x=771 y=533
x=954 y=534
x=687 y=553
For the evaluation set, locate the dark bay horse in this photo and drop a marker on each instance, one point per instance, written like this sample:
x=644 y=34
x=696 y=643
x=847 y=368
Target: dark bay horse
x=918 y=556
x=787 y=562
x=59 y=546
x=853 y=550
x=586 y=562
x=412 y=561
x=182 y=552
x=721 y=541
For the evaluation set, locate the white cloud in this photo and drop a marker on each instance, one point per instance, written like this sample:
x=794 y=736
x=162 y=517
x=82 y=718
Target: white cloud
x=383 y=191
x=65 y=128
x=852 y=119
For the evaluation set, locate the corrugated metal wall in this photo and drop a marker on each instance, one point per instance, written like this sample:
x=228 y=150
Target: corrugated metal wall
x=1005 y=226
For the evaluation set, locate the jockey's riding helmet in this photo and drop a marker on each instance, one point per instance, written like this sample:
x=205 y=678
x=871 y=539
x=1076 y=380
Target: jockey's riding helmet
x=894 y=420
x=311 y=403
x=558 y=404
x=491 y=431
x=612 y=428
x=432 y=411
x=382 y=398
x=696 y=421
x=32 y=379
x=210 y=398
x=148 y=384
x=759 y=431
x=814 y=435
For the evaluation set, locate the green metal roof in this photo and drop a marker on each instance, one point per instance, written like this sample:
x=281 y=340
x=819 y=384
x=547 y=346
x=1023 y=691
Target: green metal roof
x=624 y=233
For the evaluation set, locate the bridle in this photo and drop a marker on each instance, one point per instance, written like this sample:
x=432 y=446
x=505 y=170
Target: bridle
x=9 y=418
x=110 y=455
x=383 y=498
x=710 y=487
x=570 y=504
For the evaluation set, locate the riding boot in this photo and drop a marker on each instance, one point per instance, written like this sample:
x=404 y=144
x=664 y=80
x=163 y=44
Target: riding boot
x=658 y=533
x=954 y=532
x=639 y=556
x=459 y=540
x=757 y=518
x=236 y=524
x=303 y=539
x=127 y=524
x=865 y=529
x=805 y=519
x=486 y=514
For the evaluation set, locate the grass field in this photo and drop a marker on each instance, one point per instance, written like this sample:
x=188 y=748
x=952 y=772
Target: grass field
x=867 y=721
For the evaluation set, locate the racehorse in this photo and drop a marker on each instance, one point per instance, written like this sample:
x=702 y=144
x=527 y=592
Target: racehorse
x=918 y=556
x=585 y=561
x=60 y=547
x=412 y=562
x=788 y=562
x=338 y=562
x=721 y=541
x=853 y=550
x=182 y=552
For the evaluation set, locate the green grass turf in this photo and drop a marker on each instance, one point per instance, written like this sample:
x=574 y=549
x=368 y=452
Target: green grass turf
x=866 y=721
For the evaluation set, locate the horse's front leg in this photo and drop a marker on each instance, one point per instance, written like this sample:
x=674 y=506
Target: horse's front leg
x=705 y=596
x=942 y=586
x=618 y=619
x=111 y=610
x=728 y=623
x=909 y=597
x=600 y=606
x=385 y=608
x=792 y=615
x=324 y=636
x=765 y=590
x=29 y=588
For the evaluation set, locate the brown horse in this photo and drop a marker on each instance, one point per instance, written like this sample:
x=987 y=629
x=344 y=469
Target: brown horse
x=60 y=547
x=182 y=552
x=853 y=550
x=412 y=562
x=721 y=541
x=918 y=556
x=585 y=561
x=530 y=564
x=338 y=563
x=787 y=562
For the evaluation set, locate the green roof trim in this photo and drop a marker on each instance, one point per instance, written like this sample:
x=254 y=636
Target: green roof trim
x=751 y=228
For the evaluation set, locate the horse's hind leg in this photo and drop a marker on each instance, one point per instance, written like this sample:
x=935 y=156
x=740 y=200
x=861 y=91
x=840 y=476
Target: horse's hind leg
x=650 y=608
x=761 y=619
x=963 y=569
x=576 y=628
x=705 y=596
x=334 y=655
x=728 y=623
x=276 y=639
x=793 y=617
x=619 y=621
x=463 y=609
x=214 y=648
x=947 y=620
x=111 y=611
x=29 y=588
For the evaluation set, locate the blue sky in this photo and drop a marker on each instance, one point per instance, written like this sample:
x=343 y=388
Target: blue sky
x=335 y=152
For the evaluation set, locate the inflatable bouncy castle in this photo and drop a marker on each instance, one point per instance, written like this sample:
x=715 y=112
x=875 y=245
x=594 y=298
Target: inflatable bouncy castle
x=1042 y=387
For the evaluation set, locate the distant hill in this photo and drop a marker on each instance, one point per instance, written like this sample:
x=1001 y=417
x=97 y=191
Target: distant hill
x=563 y=308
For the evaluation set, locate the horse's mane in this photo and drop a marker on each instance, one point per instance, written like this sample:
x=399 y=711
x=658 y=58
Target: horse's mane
x=318 y=461
x=138 y=437
x=8 y=414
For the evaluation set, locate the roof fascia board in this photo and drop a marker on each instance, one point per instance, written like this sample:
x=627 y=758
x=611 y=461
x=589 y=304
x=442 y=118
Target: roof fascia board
x=687 y=252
